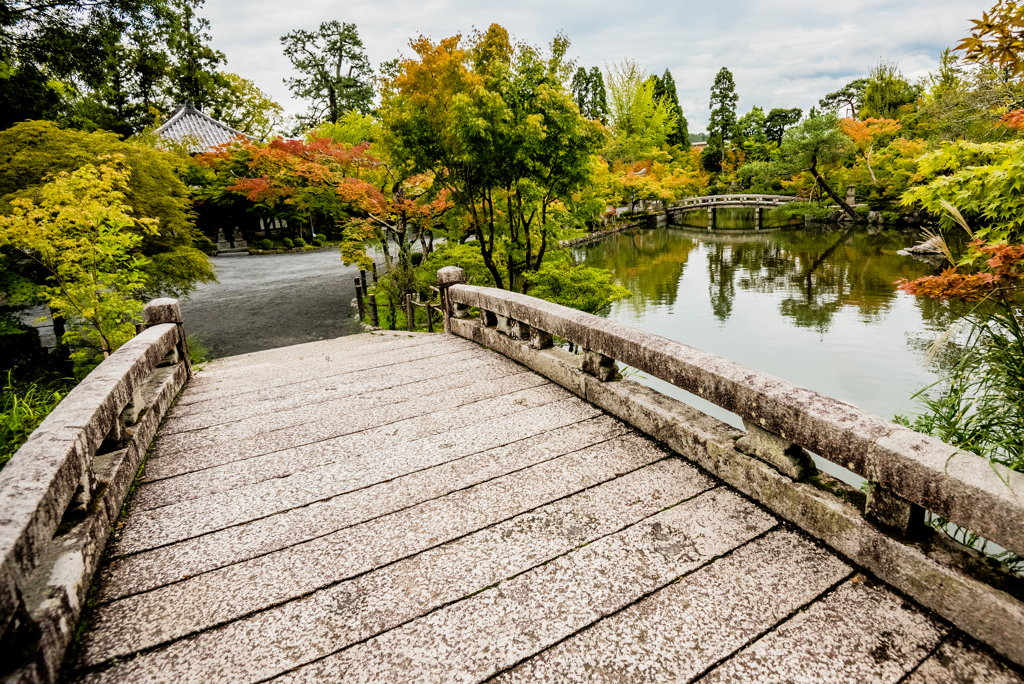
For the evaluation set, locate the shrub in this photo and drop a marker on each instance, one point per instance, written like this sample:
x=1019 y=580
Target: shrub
x=299 y=242
x=417 y=258
x=317 y=242
x=23 y=405
x=287 y=242
x=265 y=244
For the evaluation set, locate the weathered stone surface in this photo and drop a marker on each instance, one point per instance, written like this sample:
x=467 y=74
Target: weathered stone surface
x=177 y=522
x=299 y=632
x=169 y=564
x=222 y=478
x=790 y=459
x=860 y=633
x=450 y=275
x=894 y=511
x=146 y=620
x=680 y=631
x=484 y=634
x=934 y=578
x=164 y=310
x=959 y=661
x=47 y=569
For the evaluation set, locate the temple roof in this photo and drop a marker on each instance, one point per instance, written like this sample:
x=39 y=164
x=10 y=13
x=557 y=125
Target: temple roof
x=199 y=132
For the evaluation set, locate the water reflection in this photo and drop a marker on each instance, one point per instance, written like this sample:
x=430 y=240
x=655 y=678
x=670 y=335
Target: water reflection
x=817 y=307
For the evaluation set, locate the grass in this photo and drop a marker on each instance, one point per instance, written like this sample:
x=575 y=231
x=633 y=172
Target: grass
x=198 y=352
x=23 y=406
x=400 y=322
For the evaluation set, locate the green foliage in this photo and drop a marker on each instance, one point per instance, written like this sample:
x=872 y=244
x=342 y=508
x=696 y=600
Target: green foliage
x=589 y=93
x=640 y=121
x=493 y=126
x=723 y=114
x=465 y=256
x=665 y=87
x=265 y=244
x=154 y=190
x=778 y=120
x=317 y=242
x=246 y=108
x=78 y=233
x=983 y=180
x=198 y=352
x=887 y=94
x=336 y=75
x=352 y=128
x=580 y=287
x=23 y=406
x=288 y=243
x=299 y=242
x=849 y=98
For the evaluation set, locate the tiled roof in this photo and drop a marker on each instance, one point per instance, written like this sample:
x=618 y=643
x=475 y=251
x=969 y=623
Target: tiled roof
x=200 y=132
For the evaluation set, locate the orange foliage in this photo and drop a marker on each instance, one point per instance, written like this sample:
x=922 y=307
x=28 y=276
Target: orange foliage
x=1007 y=273
x=865 y=133
x=1013 y=120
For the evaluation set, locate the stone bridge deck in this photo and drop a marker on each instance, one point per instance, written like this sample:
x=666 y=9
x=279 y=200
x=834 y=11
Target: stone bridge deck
x=417 y=508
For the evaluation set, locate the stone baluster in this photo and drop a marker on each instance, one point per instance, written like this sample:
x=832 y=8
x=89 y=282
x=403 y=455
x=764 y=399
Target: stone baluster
x=778 y=452
x=374 y=319
x=600 y=366
x=167 y=310
x=446 y=277
x=359 y=299
x=893 y=511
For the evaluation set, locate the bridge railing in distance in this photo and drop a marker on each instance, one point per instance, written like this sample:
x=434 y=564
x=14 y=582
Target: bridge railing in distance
x=908 y=473
x=62 y=492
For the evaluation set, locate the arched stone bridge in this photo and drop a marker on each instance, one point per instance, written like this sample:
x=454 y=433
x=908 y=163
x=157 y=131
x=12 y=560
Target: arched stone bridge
x=712 y=203
x=480 y=505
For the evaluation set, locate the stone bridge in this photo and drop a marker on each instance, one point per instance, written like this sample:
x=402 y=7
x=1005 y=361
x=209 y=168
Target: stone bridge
x=482 y=505
x=712 y=203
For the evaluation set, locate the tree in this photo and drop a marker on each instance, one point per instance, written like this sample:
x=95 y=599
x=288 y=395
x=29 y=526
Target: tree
x=589 y=93
x=640 y=122
x=665 y=87
x=866 y=134
x=814 y=145
x=723 y=117
x=850 y=96
x=248 y=109
x=192 y=74
x=154 y=190
x=336 y=73
x=493 y=125
x=778 y=120
x=749 y=135
x=82 y=234
x=998 y=37
x=887 y=93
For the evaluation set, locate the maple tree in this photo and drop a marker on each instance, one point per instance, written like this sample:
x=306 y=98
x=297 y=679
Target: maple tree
x=866 y=134
x=490 y=121
x=82 y=234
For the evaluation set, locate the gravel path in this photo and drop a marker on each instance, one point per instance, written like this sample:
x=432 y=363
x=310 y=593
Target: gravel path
x=271 y=301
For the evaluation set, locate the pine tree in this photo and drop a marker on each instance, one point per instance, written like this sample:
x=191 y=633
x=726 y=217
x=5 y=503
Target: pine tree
x=723 y=116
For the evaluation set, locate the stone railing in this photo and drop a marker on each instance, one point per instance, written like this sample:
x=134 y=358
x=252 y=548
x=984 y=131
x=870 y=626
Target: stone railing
x=63 y=490
x=732 y=200
x=908 y=474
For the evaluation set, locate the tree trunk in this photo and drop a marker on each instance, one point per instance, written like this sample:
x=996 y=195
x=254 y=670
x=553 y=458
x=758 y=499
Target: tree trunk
x=831 y=193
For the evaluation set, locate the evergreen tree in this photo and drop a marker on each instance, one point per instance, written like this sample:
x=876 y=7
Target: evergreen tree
x=778 y=120
x=666 y=87
x=336 y=76
x=192 y=72
x=589 y=93
x=723 y=118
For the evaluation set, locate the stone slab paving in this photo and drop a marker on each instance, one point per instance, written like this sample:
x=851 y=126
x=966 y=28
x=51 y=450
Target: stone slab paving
x=414 y=508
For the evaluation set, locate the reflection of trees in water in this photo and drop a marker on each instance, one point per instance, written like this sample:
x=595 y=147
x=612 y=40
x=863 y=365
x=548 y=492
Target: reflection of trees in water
x=813 y=273
x=649 y=263
x=816 y=272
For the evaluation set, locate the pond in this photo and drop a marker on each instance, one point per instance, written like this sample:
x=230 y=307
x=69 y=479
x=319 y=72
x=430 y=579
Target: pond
x=815 y=307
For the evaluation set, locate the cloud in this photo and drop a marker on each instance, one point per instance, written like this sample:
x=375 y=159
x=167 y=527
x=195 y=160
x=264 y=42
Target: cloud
x=782 y=54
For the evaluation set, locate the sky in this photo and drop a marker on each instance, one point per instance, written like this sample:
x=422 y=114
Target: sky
x=781 y=54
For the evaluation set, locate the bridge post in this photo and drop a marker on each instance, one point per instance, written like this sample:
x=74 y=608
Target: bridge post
x=711 y=218
x=757 y=218
x=446 y=277
x=168 y=310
